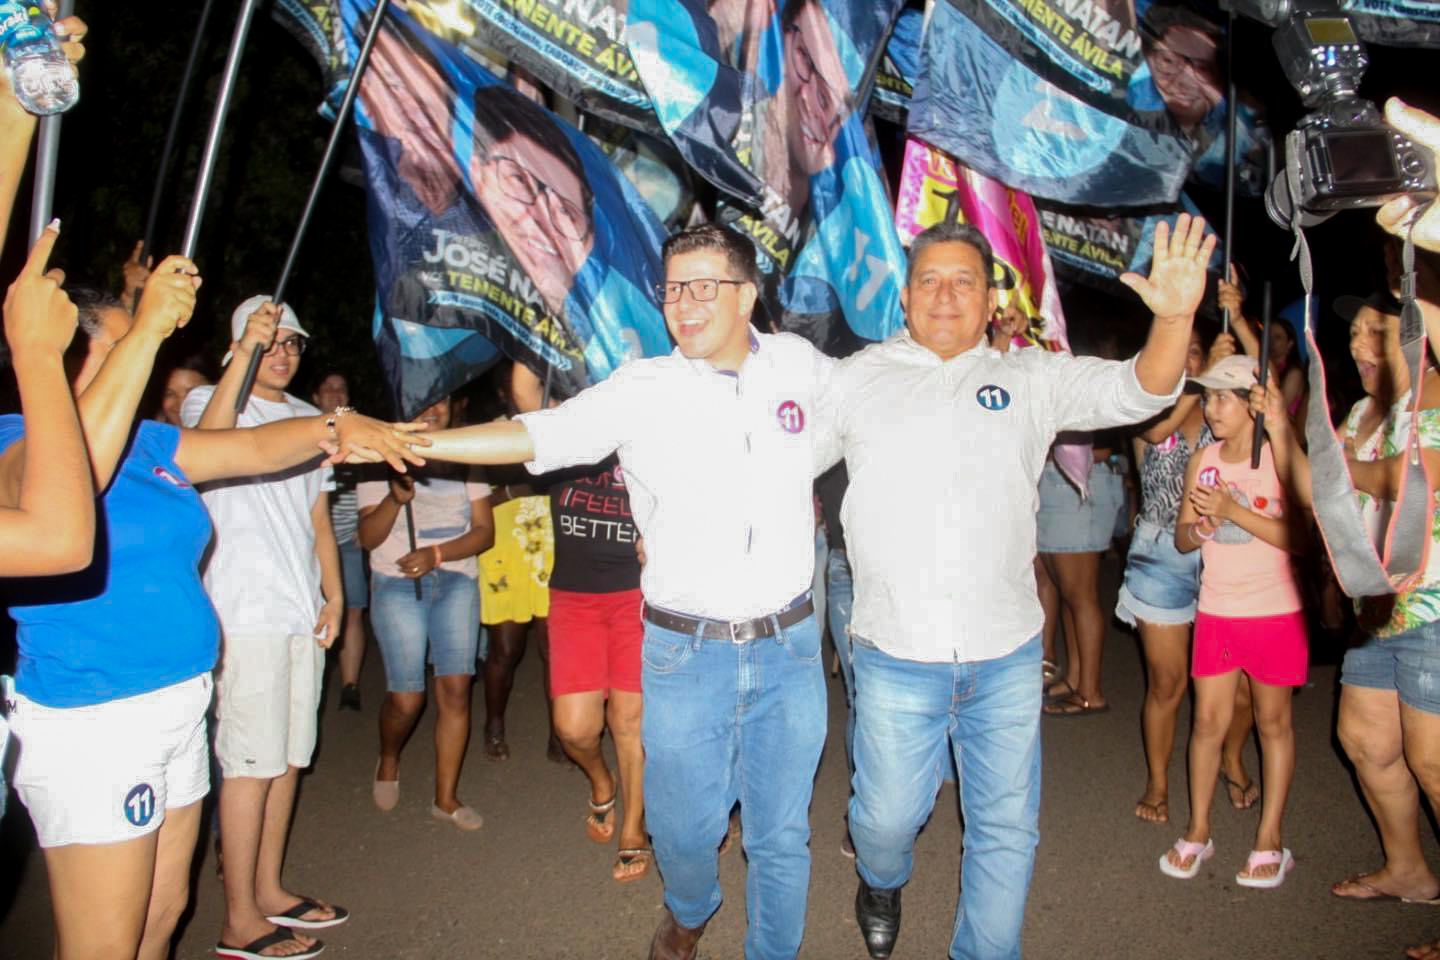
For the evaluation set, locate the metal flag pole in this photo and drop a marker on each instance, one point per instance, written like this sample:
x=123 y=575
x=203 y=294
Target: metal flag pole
x=167 y=152
x=211 y=152
x=47 y=155
x=1232 y=122
x=1267 y=293
x=341 y=115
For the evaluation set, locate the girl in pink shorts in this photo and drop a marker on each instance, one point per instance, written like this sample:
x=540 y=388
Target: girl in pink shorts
x=1249 y=619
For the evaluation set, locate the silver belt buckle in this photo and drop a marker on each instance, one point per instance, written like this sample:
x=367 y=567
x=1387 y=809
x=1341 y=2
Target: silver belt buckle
x=733 y=626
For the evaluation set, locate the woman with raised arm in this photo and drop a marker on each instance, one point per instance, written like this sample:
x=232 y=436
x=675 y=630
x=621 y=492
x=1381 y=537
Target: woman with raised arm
x=113 y=679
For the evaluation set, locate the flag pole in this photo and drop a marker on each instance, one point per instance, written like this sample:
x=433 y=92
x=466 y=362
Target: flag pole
x=1267 y=293
x=1232 y=122
x=167 y=153
x=47 y=156
x=341 y=115
x=211 y=152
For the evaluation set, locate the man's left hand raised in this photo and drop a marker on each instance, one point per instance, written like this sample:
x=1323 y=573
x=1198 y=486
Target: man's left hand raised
x=1177 y=278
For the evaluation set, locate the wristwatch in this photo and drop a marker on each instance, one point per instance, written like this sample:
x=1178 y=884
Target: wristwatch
x=335 y=415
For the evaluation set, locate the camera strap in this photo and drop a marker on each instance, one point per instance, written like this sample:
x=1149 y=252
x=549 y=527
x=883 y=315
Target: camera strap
x=1399 y=562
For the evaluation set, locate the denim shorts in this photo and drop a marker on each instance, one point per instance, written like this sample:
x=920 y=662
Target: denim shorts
x=445 y=620
x=1408 y=663
x=1067 y=524
x=352 y=570
x=1162 y=585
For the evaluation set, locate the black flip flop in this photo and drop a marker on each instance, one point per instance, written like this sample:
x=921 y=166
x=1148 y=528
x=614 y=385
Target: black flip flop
x=251 y=950
x=293 y=916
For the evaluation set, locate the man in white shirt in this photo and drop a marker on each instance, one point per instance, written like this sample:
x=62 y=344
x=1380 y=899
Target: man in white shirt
x=720 y=442
x=274 y=577
x=945 y=625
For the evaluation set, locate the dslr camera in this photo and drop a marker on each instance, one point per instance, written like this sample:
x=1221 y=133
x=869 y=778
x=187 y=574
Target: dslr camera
x=1343 y=155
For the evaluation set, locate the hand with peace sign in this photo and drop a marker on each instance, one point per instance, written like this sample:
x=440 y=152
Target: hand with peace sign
x=1177 y=271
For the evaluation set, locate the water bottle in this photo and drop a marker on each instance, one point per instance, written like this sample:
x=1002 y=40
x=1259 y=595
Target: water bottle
x=44 y=81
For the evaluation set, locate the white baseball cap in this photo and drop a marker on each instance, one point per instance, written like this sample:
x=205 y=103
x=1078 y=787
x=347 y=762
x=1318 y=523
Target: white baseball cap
x=288 y=320
x=1235 y=372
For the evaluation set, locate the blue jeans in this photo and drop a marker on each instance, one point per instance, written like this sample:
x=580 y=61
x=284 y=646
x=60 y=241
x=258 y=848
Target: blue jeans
x=909 y=716
x=840 y=597
x=442 y=622
x=726 y=722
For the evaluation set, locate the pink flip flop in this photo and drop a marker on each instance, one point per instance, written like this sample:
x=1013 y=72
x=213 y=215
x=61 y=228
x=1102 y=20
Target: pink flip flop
x=1266 y=858
x=1185 y=849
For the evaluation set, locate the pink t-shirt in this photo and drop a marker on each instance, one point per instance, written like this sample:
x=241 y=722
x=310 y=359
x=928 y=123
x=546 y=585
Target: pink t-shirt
x=442 y=512
x=1243 y=576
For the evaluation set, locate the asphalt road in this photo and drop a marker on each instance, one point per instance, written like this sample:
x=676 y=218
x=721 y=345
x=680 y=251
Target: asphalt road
x=531 y=885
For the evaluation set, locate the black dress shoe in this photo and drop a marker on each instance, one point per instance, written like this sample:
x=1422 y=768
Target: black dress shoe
x=878 y=913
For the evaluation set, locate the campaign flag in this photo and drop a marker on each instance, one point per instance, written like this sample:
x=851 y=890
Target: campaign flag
x=895 y=79
x=767 y=102
x=977 y=102
x=490 y=215
x=421 y=363
x=1094 y=246
x=1396 y=23
x=934 y=188
x=652 y=166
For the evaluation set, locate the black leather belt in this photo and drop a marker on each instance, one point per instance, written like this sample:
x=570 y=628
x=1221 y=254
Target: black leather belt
x=734 y=631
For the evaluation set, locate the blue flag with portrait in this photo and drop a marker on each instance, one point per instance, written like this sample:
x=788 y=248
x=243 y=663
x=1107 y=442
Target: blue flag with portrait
x=491 y=217
x=895 y=78
x=766 y=100
x=1396 y=23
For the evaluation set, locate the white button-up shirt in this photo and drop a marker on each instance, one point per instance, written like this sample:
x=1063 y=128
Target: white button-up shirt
x=944 y=459
x=719 y=468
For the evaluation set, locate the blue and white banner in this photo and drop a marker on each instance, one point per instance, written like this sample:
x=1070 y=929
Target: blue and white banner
x=489 y=215
x=1396 y=23
x=767 y=101
x=895 y=79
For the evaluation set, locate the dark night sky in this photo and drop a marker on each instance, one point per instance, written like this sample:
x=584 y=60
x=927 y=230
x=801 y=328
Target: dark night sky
x=112 y=140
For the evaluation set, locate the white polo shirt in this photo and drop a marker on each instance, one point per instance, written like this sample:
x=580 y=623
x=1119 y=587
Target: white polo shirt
x=719 y=468
x=944 y=459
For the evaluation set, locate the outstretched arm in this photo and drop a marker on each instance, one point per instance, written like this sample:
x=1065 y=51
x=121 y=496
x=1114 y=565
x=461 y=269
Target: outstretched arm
x=206 y=455
x=1172 y=291
x=505 y=441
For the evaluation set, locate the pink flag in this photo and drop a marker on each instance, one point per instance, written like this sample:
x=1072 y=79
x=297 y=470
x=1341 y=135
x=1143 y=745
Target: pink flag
x=934 y=187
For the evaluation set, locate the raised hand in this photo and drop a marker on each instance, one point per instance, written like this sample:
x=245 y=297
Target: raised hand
x=1396 y=216
x=168 y=299
x=402 y=489
x=1177 y=271
x=135 y=273
x=1270 y=400
x=39 y=317
x=1229 y=295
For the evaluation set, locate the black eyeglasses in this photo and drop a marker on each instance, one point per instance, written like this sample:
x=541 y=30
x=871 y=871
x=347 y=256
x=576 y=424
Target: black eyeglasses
x=702 y=290
x=517 y=183
x=293 y=346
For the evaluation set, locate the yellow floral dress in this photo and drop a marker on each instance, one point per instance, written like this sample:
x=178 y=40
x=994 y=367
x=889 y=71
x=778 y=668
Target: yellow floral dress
x=515 y=572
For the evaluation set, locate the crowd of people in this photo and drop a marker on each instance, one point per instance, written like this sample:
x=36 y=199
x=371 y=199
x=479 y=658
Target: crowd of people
x=660 y=546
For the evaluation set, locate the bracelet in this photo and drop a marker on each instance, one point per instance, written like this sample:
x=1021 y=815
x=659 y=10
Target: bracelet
x=1195 y=533
x=335 y=415
x=439 y=558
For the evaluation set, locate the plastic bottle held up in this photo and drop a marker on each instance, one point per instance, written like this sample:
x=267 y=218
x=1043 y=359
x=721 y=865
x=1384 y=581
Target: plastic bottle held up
x=43 y=79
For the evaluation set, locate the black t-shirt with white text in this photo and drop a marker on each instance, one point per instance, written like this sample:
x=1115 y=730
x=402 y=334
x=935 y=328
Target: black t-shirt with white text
x=594 y=532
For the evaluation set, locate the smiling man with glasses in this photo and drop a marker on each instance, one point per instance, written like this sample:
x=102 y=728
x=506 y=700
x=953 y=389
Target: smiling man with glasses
x=720 y=443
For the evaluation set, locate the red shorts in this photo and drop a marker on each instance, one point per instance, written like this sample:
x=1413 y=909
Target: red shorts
x=595 y=641
x=1272 y=650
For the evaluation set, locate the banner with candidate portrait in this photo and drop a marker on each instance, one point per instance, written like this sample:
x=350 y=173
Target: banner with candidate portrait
x=766 y=100
x=488 y=214
x=652 y=166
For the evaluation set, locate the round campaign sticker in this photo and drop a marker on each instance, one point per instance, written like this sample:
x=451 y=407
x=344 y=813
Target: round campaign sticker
x=791 y=417
x=992 y=397
x=1209 y=477
x=140 y=804
x=1168 y=444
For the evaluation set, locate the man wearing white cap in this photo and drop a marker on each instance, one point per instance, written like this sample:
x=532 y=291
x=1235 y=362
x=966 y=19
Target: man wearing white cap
x=274 y=577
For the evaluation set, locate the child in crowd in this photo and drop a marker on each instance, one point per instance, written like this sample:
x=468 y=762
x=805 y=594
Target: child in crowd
x=1244 y=521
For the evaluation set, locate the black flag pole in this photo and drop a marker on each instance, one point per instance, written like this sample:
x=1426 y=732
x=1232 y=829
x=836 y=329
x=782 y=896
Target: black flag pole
x=410 y=531
x=1267 y=293
x=1232 y=122
x=47 y=155
x=211 y=152
x=341 y=115
x=167 y=152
